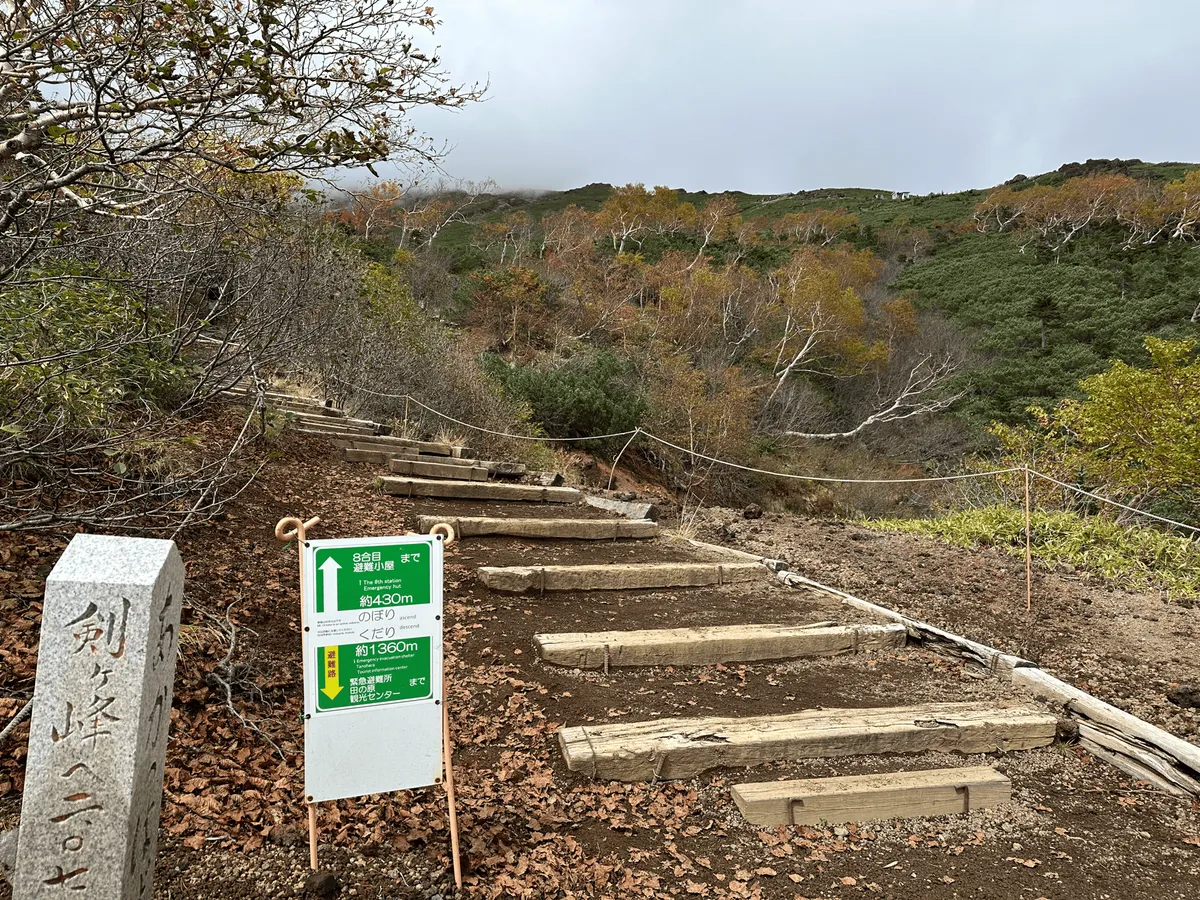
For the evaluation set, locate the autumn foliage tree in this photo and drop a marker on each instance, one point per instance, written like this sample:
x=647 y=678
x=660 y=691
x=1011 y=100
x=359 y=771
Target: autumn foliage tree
x=157 y=163
x=667 y=281
x=1134 y=435
x=1054 y=216
x=372 y=208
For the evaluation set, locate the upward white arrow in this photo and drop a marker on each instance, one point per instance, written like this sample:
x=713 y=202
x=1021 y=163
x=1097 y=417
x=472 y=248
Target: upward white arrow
x=329 y=570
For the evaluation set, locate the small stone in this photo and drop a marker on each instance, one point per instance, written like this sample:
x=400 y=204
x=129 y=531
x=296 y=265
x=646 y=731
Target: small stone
x=753 y=511
x=322 y=884
x=1187 y=695
x=286 y=835
x=1066 y=730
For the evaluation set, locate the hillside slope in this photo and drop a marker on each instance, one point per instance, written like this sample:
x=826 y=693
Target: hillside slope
x=1036 y=326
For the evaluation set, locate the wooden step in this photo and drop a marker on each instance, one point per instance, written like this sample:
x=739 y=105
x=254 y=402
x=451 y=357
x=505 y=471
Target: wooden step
x=681 y=748
x=715 y=644
x=335 y=432
x=868 y=798
x=378 y=457
x=386 y=442
x=294 y=404
x=627 y=508
x=399 y=465
x=554 y=529
x=494 y=467
x=329 y=420
x=475 y=490
x=615 y=577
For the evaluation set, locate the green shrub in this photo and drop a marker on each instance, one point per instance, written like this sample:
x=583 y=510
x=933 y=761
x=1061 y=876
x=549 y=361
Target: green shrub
x=74 y=349
x=1130 y=556
x=594 y=393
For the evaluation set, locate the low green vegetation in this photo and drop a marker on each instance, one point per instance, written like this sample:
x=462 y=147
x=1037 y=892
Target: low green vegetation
x=1131 y=556
x=594 y=393
x=81 y=348
x=1042 y=326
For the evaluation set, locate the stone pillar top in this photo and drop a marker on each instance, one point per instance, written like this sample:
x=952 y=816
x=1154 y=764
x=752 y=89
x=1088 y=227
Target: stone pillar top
x=105 y=559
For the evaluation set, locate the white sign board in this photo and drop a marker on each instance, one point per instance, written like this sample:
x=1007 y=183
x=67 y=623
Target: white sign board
x=372 y=665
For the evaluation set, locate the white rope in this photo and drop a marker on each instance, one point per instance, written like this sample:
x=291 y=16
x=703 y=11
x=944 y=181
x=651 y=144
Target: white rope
x=16 y=720
x=504 y=434
x=815 y=478
x=1132 y=509
x=832 y=480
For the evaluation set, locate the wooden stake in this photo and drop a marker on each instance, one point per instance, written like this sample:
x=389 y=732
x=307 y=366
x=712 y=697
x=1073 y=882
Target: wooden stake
x=299 y=530
x=446 y=754
x=1028 y=551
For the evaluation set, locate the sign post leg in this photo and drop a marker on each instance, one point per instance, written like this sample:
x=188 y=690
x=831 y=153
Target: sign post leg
x=299 y=529
x=446 y=752
x=312 y=836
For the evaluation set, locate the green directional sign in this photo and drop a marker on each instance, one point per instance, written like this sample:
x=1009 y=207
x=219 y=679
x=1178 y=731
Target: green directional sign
x=371 y=577
x=372 y=664
x=377 y=672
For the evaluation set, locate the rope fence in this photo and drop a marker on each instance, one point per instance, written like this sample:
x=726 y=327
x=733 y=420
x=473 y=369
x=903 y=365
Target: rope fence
x=633 y=432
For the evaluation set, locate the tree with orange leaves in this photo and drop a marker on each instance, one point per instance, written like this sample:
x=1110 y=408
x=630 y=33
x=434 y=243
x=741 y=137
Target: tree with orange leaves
x=373 y=207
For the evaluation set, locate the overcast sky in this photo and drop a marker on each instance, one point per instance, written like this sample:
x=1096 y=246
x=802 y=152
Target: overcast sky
x=785 y=95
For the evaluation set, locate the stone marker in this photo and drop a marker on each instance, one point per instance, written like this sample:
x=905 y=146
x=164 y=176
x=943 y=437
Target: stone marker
x=8 y=855
x=101 y=710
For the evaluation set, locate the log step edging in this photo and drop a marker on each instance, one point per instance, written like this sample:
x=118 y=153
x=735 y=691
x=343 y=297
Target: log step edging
x=713 y=644
x=685 y=747
x=929 y=637
x=870 y=798
x=1123 y=740
x=615 y=577
x=1133 y=745
x=547 y=529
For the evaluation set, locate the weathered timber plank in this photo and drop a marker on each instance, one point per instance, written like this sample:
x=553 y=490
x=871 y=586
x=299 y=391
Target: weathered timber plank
x=867 y=798
x=408 y=466
x=628 y=509
x=323 y=418
x=431 y=448
x=775 y=565
x=614 y=577
x=335 y=432
x=682 y=748
x=566 y=529
x=337 y=429
x=475 y=490
x=710 y=645
x=389 y=449
x=378 y=457
x=355 y=430
x=494 y=467
x=1129 y=743
x=930 y=637
x=294 y=404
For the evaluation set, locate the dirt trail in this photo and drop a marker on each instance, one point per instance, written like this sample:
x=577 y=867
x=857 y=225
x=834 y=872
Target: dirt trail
x=233 y=812
x=1124 y=647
